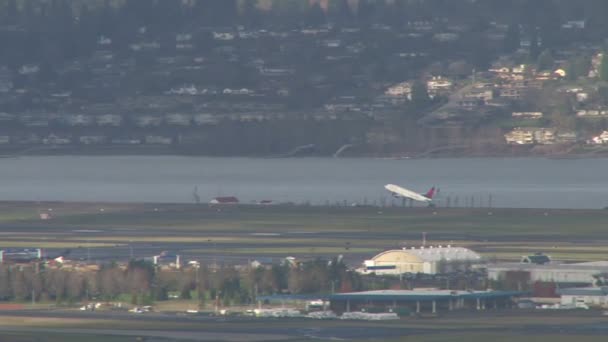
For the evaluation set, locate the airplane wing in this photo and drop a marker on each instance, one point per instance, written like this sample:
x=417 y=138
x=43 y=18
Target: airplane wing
x=397 y=190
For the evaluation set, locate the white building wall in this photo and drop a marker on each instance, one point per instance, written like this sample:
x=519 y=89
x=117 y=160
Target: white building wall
x=589 y=300
x=564 y=273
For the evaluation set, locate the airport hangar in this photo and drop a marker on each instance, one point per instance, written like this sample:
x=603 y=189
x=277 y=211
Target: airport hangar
x=429 y=260
x=423 y=300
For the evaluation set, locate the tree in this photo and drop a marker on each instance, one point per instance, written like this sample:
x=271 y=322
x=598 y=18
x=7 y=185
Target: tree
x=578 y=67
x=420 y=95
x=545 y=61
x=5 y=285
x=512 y=38
x=602 y=92
x=315 y=15
x=603 y=69
x=534 y=44
x=582 y=65
x=342 y=13
x=562 y=113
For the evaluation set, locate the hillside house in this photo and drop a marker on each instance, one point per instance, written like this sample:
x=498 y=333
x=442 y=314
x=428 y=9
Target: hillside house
x=531 y=136
x=92 y=139
x=592 y=112
x=148 y=121
x=403 y=89
x=600 y=139
x=544 y=136
x=53 y=139
x=6 y=83
x=29 y=120
x=574 y=25
x=113 y=120
x=446 y=37
x=566 y=137
x=483 y=95
x=205 y=119
x=177 y=119
x=158 y=140
x=527 y=115
x=125 y=141
x=510 y=93
x=79 y=120
x=29 y=69
x=242 y=91
x=145 y=46
x=225 y=36
x=438 y=85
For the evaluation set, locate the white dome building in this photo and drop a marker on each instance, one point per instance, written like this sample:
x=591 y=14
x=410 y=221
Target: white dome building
x=419 y=260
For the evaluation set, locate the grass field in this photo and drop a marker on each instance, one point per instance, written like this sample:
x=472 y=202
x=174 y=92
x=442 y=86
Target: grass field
x=251 y=231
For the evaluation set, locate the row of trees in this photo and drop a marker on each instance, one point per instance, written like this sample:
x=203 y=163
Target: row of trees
x=143 y=283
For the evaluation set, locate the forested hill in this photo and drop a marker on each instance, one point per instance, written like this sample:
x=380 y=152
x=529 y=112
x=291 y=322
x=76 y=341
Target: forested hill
x=267 y=76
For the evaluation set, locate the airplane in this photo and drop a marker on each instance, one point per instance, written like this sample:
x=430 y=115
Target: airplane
x=400 y=192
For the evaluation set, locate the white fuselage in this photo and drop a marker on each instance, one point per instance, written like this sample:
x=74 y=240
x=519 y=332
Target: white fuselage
x=405 y=193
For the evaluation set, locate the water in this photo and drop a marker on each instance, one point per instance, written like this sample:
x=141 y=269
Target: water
x=511 y=182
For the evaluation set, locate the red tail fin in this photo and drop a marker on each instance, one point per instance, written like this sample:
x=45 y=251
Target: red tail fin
x=430 y=193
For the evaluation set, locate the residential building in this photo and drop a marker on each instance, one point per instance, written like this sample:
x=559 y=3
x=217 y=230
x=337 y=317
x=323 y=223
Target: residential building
x=527 y=115
x=92 y=139
x=53 y=139
x=592 y=112
x=205 y=119
x=600 y=139
x=148 y=121
x=520 y=137
x=510 y=93
x=109 y=120
x=483 y=95
x=177 y=119
x=401 y=89
x=158 y=140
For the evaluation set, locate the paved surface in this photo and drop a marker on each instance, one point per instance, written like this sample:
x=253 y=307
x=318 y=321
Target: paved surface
x=179 y=335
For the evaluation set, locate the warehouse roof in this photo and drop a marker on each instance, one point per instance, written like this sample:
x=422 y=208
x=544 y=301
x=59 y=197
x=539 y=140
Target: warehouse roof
x=421 y=295
x=598 y=266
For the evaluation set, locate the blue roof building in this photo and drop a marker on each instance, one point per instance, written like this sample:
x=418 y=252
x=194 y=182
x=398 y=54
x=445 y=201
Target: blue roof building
x=423 y=300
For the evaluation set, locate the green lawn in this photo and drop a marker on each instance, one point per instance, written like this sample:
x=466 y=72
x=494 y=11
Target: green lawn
x=278 y=230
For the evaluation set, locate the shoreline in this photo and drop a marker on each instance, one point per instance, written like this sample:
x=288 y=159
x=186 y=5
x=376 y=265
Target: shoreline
x=170 y=150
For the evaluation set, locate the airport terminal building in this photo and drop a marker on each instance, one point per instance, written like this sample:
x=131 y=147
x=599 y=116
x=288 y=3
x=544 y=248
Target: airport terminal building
x=418 y=301
x=429 y=260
